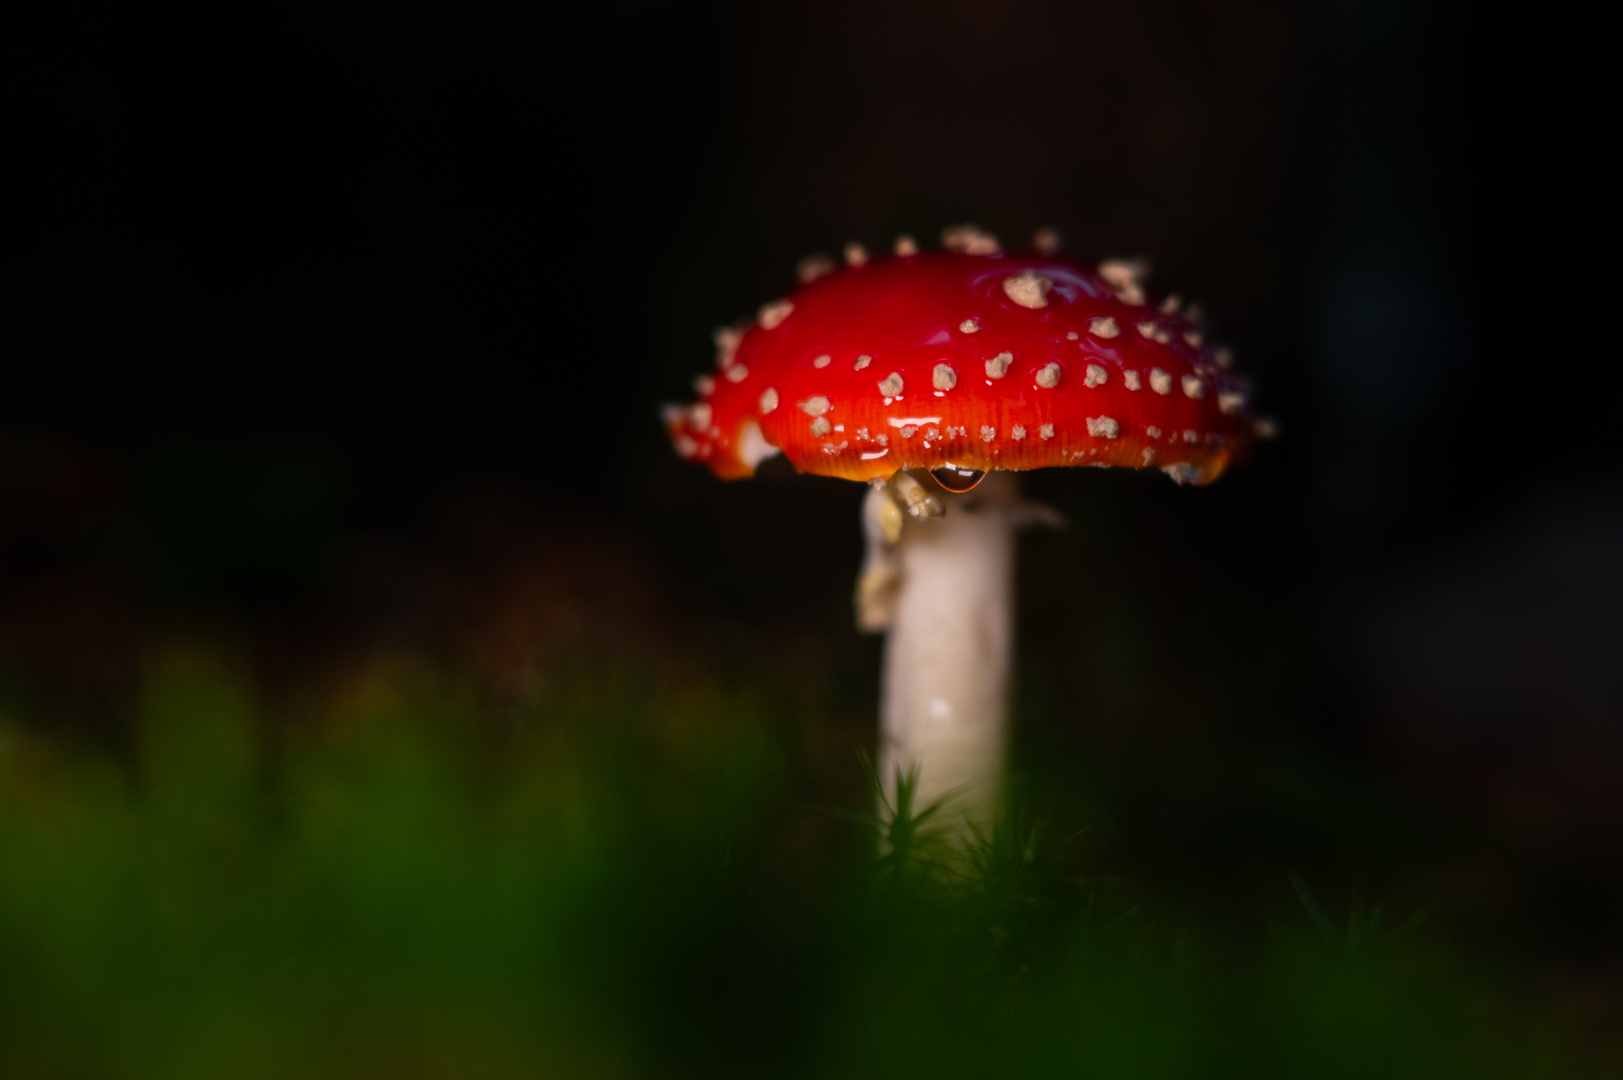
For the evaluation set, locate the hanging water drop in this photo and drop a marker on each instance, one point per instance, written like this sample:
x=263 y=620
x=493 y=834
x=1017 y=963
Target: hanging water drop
x=957 y=478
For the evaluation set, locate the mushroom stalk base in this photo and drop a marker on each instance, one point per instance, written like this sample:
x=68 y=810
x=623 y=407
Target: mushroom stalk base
x=945 y=692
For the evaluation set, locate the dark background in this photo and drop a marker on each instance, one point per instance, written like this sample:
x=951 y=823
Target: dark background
x=342 y=327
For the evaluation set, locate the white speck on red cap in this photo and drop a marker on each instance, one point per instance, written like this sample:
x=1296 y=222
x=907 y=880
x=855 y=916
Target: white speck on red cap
x=1096 y=376
x=752 y=447
x=1160 y=381
x=1028 y=288
x=821 y=426
x=1048 y=376
x=969 y=240
x=1131 y=379
x=815 y=406
x=998 y=366
x=943 y=377
x=813 y=267
x=1017 y=432
x=1103 y=427
x=1104 y=326
x=772 y=315
x=1046 y=431
x=892 y=385
x=855 y=254
x=988 y=433
x=905 y=245
x=969 y=326
x=1193 y=387
x=1125 y=275
x=726 y=339
x=863 y=361
x=822 y=361
x=1121 y=272
x=737 y=373
x=769 y=400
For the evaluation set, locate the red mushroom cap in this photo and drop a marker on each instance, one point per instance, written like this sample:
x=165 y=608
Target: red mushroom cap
x=980 y=361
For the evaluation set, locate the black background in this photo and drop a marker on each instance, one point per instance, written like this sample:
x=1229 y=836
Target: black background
x=322 y=314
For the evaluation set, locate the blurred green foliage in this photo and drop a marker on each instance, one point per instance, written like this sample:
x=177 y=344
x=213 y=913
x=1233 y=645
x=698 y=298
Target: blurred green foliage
x=623 y=878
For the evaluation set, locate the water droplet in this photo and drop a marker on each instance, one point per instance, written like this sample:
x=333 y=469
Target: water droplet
x=957 y=478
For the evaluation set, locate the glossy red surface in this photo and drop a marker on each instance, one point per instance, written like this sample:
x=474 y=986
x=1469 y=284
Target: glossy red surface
x=1067 y=396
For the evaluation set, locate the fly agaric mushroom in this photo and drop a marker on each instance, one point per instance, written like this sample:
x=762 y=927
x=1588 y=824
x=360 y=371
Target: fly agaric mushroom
x=964 y=365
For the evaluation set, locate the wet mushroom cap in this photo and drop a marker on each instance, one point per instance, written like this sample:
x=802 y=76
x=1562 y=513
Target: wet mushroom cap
x=980 y=361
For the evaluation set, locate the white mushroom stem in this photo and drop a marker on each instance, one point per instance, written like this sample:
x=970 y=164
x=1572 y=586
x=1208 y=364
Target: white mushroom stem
x=944 y=591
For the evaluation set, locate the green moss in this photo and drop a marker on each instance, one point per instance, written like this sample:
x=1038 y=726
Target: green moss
x=631 y=878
